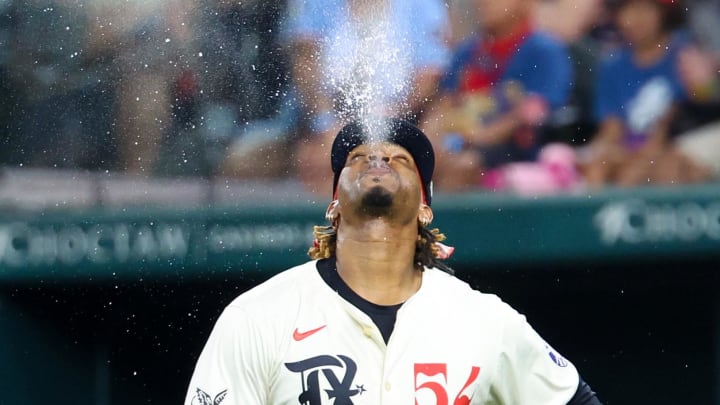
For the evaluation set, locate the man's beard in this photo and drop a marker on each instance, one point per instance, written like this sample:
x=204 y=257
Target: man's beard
x=377 y=202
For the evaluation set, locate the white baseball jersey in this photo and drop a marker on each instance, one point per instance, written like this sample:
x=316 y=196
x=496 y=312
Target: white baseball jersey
x=294 y=340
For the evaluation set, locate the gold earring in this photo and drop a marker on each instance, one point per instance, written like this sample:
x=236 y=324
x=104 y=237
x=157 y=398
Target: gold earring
x=426 y=216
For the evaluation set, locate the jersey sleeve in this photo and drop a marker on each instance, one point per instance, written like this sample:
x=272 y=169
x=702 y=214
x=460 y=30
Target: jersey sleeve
x=543 y=67
x=529 y=370
x=606 y=101
x=232 y=368
x=460 y=57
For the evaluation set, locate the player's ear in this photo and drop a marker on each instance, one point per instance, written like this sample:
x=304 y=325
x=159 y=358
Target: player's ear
x=333 y=211
x=425 y=215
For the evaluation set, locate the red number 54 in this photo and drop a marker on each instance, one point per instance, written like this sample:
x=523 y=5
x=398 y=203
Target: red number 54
x=438 y=386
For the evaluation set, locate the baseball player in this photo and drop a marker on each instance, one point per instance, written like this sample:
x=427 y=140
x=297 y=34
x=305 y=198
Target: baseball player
x=376 y=317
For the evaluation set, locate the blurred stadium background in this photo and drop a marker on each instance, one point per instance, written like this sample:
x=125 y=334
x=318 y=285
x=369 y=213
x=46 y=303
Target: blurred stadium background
x=112 y=276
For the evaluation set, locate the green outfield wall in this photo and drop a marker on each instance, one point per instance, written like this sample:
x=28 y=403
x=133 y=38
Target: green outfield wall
x=485 y=229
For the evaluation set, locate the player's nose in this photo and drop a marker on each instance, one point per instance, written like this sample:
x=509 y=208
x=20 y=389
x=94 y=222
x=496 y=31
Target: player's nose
x=378 y=158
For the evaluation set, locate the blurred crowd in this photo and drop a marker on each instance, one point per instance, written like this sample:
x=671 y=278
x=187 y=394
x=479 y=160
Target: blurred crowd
x=522 y=96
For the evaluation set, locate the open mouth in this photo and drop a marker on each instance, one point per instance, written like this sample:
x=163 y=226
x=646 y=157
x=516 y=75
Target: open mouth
x=378 y=170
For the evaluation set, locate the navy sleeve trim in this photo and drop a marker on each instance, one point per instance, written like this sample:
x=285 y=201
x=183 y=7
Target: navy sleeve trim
x=584 y=395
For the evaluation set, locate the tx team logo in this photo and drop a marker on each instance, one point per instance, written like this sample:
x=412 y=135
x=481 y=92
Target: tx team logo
x=203 y=398
x=327 y=377
x=431 y=382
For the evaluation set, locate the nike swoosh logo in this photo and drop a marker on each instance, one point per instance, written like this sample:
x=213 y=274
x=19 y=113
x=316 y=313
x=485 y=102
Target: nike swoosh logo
x=298 y=336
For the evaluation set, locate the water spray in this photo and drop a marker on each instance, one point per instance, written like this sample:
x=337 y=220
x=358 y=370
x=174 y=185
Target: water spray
x=371 y=79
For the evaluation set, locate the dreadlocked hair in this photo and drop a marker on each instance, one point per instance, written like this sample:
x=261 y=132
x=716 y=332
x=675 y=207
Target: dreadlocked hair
x=324 y=243
x=426 y=250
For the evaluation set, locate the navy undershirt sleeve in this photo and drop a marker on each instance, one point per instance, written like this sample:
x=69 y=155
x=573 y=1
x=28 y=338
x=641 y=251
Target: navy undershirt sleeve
x=584 y=395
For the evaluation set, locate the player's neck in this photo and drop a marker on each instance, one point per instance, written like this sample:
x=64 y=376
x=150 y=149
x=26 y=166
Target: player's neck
x=376 y=262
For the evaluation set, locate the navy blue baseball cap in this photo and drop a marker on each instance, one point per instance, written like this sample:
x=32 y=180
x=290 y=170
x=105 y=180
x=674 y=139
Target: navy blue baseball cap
x=393 y=130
